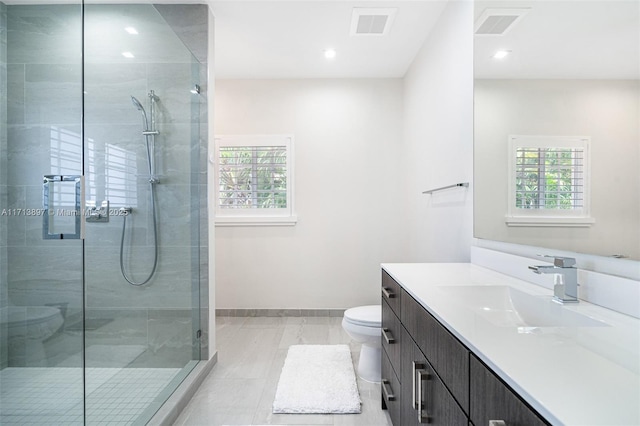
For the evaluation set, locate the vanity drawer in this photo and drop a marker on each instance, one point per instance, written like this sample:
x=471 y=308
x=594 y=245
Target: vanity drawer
x=391 y=336
x=491 y=399
x=420 y=383
x=390 y=391
x=391 y=292
x=449 y=357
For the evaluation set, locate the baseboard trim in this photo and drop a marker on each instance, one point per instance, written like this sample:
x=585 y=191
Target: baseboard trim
x=279 y=312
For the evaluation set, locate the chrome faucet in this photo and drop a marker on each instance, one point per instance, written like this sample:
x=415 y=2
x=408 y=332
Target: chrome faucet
x=565 y=286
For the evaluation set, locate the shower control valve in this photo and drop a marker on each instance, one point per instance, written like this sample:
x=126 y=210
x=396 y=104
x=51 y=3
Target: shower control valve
x=95 y=213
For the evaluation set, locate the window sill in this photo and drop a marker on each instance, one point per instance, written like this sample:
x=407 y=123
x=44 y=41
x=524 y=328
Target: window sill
x=256 y=221
x=546 y=221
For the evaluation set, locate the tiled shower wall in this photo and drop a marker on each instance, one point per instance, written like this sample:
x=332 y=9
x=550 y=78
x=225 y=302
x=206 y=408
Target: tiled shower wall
x=151 y=325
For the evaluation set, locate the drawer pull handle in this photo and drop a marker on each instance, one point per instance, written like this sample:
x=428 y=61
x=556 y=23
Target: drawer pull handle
x=387 y=393
x=416 y=366
x=388 y=293
x=388 y=336
x=422 y=376
x=497 y=423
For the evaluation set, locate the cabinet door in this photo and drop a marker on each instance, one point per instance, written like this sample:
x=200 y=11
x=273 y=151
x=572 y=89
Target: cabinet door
x=491 y=399
x=391 y=392
x=411 y=360
x=447 y=355
x=425 y=399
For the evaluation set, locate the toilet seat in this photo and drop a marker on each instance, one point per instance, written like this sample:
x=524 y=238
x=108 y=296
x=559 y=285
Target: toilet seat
x=365 y=316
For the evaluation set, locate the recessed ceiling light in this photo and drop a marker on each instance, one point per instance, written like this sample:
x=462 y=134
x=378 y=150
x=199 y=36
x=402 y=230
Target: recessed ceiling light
x=329 y=53
x=128 y=55
x=131 y=30
x=501 y=54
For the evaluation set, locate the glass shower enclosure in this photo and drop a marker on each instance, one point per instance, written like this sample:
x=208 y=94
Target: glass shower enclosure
x=102 y=209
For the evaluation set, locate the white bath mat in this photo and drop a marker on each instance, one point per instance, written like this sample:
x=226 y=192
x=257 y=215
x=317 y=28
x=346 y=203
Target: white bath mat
x=317 y=379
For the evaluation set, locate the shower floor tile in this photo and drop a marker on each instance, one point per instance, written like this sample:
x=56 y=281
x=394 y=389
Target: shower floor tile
x=54 y=396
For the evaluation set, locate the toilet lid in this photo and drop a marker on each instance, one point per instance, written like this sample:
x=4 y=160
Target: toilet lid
x=370 y=316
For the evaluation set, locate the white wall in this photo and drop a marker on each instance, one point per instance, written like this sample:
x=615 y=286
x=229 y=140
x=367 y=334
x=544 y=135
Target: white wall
x=365 y=151
x=438 y=140
x=348 y=142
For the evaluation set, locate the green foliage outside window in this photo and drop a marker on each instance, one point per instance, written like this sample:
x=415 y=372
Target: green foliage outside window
x=548 y=178
x=253 y=177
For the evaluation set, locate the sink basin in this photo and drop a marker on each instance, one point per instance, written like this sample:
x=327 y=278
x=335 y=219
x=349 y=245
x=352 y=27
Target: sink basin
x=506 y=306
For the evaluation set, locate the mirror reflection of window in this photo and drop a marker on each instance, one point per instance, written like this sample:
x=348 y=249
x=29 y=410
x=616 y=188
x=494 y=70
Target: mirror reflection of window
x=549 y=178
x=548 y=181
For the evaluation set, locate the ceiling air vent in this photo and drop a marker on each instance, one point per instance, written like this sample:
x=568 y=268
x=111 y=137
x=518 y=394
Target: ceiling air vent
x=371 y=21
x=498 y=21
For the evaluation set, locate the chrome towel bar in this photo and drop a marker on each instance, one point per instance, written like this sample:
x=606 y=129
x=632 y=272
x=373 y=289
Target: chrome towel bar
x=455 y=185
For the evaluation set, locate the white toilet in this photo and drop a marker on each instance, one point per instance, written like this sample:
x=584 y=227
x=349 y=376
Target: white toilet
x=363 y=324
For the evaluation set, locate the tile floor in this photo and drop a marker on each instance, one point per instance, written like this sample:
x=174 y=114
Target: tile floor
x=251 y=353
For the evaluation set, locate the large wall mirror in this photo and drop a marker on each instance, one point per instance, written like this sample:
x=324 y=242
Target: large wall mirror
x=557 y=125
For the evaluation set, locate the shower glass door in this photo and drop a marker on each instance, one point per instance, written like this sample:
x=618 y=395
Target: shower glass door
x=100 y=211
x=41 y=253
x=142 y=233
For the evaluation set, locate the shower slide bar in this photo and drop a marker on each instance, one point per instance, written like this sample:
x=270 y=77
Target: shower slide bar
x=455 y=185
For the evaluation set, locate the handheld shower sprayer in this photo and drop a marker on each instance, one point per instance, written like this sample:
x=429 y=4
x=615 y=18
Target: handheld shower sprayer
x=138 y=105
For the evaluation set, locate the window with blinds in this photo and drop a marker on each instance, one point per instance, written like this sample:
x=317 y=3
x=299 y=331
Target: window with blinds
x=253 y=180
x=253 y=177
x=548 y=181
x=549 y=178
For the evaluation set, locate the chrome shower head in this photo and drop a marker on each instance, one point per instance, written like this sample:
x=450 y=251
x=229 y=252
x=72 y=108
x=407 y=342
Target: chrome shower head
x=140 y=108
x=137 y=103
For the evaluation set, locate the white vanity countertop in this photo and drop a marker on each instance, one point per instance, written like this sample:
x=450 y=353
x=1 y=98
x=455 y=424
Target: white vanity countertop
x=572 y=375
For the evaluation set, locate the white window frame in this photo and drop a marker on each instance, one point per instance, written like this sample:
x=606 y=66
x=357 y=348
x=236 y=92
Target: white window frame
x=549 y=217
x=255 y=216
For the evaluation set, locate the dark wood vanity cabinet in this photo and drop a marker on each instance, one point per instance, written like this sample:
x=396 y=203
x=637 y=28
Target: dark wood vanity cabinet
x=491 y=399
x=429 y=376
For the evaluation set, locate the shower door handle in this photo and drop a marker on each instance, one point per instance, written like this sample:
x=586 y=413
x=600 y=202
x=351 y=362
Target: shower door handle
x=63 y=207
